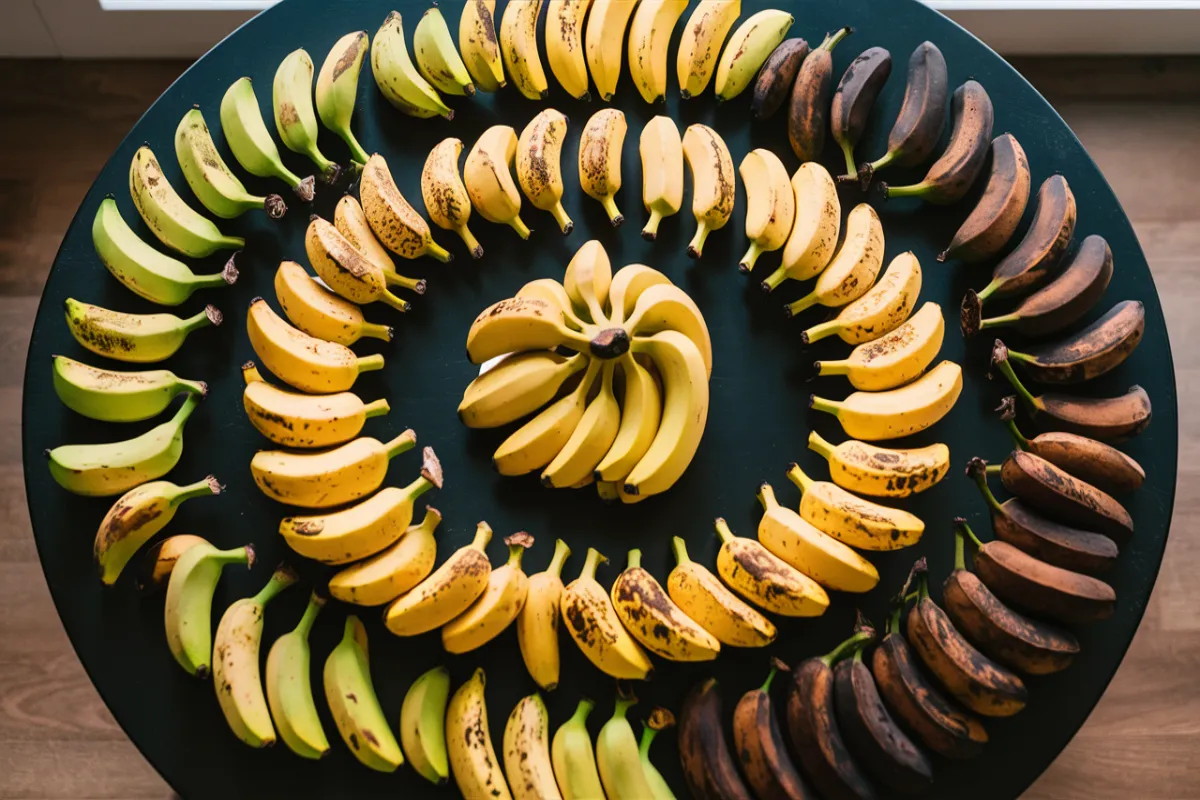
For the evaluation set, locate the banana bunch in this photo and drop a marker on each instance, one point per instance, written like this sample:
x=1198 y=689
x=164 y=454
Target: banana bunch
x=627 y=410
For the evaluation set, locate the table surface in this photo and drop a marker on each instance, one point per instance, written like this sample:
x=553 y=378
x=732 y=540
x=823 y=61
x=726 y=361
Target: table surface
x=117 y=635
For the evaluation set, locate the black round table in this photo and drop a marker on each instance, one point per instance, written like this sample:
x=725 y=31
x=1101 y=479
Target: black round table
x=757 y=424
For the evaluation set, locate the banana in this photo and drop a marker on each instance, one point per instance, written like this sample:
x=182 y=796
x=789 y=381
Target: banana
x=498 y=606
x=146 y=272
x=423 y=725
x=660 y=719
x=211 y=180
x=573 y=757
x=469 y=743
x=990 y=226
x=1062 y=496
x=592 y=621
x=700 y=44
x=1057 y=305
x=773 y=85
x=106 y=470
x=1042 y=589
x=853 y=99
x=766 y=580
x=519 y=324
x=159 y=561
x=307 y=363
x=922 y=117
x=351 y=222
x=445 y=196
x=649 y=44
x=539 y=167
x=628 y=285
x=809 y=104
x=604 y=41
x=236 y=677
x=319 y=312
x=600 y=147
x=895 y=358
x=661 y=150
x=337 y=89
x=747 y=50
x=136 y=517
x=354 y=704
x=882 y=472
x=716 y=609
x=527 y=751
x=822 y=556
x=564 y=45
x=397 y=224
x=536 y=443
x=758 y=742
x=445 y=593
x=187 y=613
x=133 y=338
x=291 y=419
x=295 y=118
x=879 y=311
x=714 y=183
x=436 y=56
x=251 y=142
x=489 y=182
x=479 y=45
x=289 y=687
x=953 y=174
x=770 y=204
x=516 y=387
x=853 y=269
x=172 y=221
x=618 y=758
x=852 y=520
x=330 y=477
x=662 y=627
x=537 y=624
x=875 y=416
x=518 y=47
x=394 y=570
x=111 y=396
x=813 y=238
x=708 y=765
x=591 y=440
x=1094 y=351
x=345 y=270
x=640 y=415
x=1105 y=418
x=399 y=81
x=587 y=279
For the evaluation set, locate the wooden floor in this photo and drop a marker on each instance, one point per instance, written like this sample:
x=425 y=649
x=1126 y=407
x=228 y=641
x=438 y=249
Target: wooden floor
x=59 y=121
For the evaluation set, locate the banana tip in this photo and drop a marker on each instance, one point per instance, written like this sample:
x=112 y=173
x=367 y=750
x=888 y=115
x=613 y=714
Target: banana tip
x=692 y=252
x=649 y=236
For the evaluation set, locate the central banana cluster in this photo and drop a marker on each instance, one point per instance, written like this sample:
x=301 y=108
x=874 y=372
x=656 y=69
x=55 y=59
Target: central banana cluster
x=625 y=407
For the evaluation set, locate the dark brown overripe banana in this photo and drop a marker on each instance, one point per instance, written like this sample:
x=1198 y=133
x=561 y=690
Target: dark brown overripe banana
x=1042 y=589
x=1045 y=243
x=1062 y=496
x=1041 y=537
x=972 y=678
x=774 y=82
x=808 y=105
x=1031 y=646
x=708 y=766
x=854 y=98
x=758 y=742
x=812 y=723
x=922 y=118
x=953 y=174
x=989 y=227
x=1057 y=305
x=1097 y=349
x=1106 y=418
x=1100 y=464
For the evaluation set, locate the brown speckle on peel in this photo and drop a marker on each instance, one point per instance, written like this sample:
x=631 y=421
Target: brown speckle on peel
x=349 y=56
x=122 y=521
x=288 y=115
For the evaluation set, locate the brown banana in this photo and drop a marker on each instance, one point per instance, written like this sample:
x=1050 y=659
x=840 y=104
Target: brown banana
x=854 y=98
x=1064 y=497
x=1097 y=349
x=774 y=82
x=1014 y=640
x=1045 y=243
x=1101 y=465
x=972 y=678
x=922 y=118
x=1106 y=418
x=759 y=744
x=1059 y=594
x=953 y=174
x=812 y=723
x=708 y=766
x=809 y=101
x=1057 y=305
x=992 y=223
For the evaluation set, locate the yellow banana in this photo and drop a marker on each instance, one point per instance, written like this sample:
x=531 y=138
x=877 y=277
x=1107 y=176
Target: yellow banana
x=437 y=58
x=319 y=312
x=553 y=293
x=300 y=360
x=590 y=618
x=591 y=440
x=519 y=385
x=766 y=580
x=469 y=742
x=488 y=180
x=328 y=478
x=351 y=222
x=854 y=269
x=445 y=196
x=299 y=420
x=518 y=47
x=172 y=221
x=394 y=570
x=135 y=338
x=748 y=48
x=880 y=472
x=641 y=414
x=604 y=43
x=701 y=42
x=628 y=284
x=345 y=270
x=354 y=705
x=770 y=204
x=447 y=592
x=649 y=45
x=586 y=281
x=814 y=236
x=480 y=46
x=600 y=148
x=714 y=183
x=398 y=79
x=716 y=609
x=895 y=358
x=519 y=324
x=874 y=416
x=397 y=224
x=537 y=624
x=538 y=441
x=662 y=627
x=539 y=164
x=527 y=751
x=498 y=606
x=574 y=758
x=668 y=308
x=857 y=522
x=661 y=150
x=564 y=45
x=880 y=310
x=156 y=566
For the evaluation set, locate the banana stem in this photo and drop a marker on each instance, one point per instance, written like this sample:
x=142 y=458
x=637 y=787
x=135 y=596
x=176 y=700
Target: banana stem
x=893 y=622
x=821 y=404
x=766 y=496
x=199 y=387
x=766 y=686
x=859 y=640
x=185 y=410
x=960 y=559
x=370 y=363
x=614 y=214
x=977 y=470
x=997 y=322
x=808 y=301
x=648 y=735
x=723 y=529
x=987 y=291
x=650 y=232
x=772 y=281
x=432 y=519
x=401 y=444
x=393 y=278
x=912 y=190
x=483 y=535
x=880 y=163
x=376 y=408
x=635 y=558
x=1017 y=436
x=561 y=553
x=819 y=331
x=594 y=559
x=374 y=330
x=797 y=476
x=283 y=577
x=851 y=168
x=198 y=489
x=560 y=216
x=316 y=602
x=357 y=152
x=961 y=527
x=831 y=41
x=519 y=226
x=398 y=303
x=992 y=469
x=582 y=710
x=623 y=704
x=250 y=373
x=417 y=488
x=516 y=550
x=680 y=547
x=201 y=320
x=1007 y=371
x=820 y=446
x=841 y=367
x=752 y=254
x=437 y=251
x=696 y=245
x=238 y=555
x=470 y=241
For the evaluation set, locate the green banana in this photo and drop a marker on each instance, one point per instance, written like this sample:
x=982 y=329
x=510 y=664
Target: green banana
x=289 y=687
x=352 y=701
x=337 y=89
x=174 y=222
x=251 y=142
x=111 y=396
x=213 y=183
x=295 y=118
x=187 y=613
x=105 y=470
x=618 y=757
x=573 y=757
x=437 y=55
x=660 y=719
x=397 y=77
x=137 y=338
x=423 y=725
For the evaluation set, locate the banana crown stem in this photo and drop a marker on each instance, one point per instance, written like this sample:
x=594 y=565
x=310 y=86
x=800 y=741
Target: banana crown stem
x=963 y=528
x=315 y=603
x=561 y=553
x=820 y=446
x=960 y=555
x=988 y=290
x=594 y=560
x=997 y=322
x=766 y=686
x=992 y=469
x=1007 y=371
x=376 y=408
x=635 y=558
x=198 y=489
x=370 y=363
x=1022 y=357
x=881 y=162
x=679 y=546
x=849 y=647
x=723 y=530
x=283 y=577
x=432 y=519
x=766 y=496
x=893 y=620
x=483 y=535
x=848 y=151
x=803 y=303
x=797 y=476
x=821 y=404
x=201 y=320
x=841 y=367
x=401 y=444
x=831 y=40
x=914 y=190
x=417 y=488
x=623 y=705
